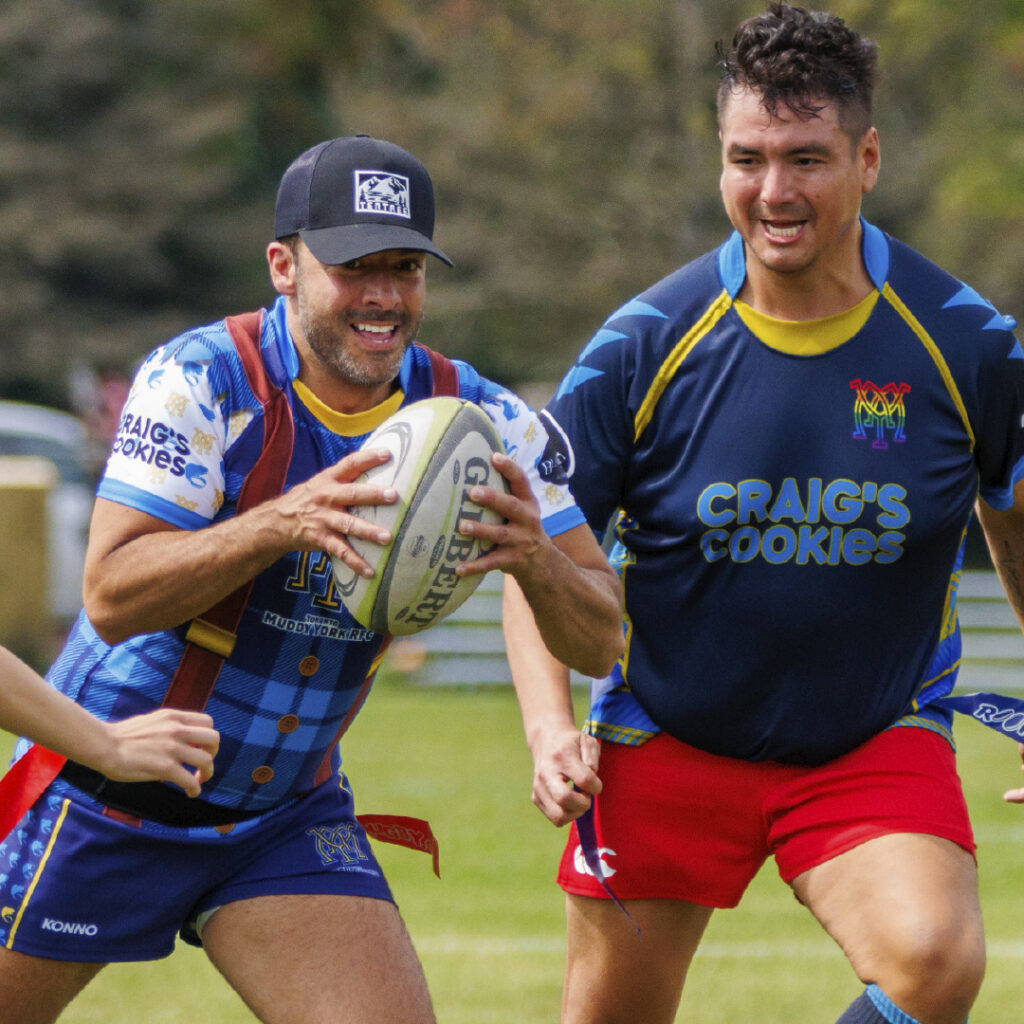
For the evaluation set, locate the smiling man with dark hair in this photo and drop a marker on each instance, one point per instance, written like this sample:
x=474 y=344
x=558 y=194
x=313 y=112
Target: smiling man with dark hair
x=790 y=434
x=236 y=477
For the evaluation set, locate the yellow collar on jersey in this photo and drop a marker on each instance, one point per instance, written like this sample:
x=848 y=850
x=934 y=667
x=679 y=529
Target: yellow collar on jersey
x=348 y=424
x=808 y=337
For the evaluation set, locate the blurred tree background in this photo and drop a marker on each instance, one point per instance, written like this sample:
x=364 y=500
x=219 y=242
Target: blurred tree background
x=572 y=146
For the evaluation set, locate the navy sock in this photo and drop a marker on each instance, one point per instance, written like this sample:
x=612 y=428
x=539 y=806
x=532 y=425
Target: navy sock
x=873 y=1006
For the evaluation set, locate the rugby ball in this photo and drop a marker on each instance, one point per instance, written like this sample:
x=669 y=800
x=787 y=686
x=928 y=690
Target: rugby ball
x=440 y=448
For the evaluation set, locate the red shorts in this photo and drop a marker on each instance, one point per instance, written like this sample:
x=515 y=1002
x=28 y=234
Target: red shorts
x=673 y=822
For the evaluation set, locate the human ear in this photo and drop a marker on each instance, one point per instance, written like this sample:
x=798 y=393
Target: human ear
x=281 y=261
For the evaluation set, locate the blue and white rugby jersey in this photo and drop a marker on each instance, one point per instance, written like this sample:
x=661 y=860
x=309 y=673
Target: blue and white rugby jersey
x=190 y=431
x=792 y=501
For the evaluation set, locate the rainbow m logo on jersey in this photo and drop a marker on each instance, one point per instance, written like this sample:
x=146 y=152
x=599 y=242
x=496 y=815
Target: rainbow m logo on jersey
x=880 y=411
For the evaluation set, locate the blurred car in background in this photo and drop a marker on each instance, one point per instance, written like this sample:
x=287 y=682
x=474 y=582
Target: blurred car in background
x=41 y=432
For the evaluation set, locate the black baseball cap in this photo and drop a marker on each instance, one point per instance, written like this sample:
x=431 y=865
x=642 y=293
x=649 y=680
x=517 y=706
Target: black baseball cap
x=356 y=195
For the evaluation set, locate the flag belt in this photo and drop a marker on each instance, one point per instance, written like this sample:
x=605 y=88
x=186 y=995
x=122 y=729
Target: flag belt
x=133 y=802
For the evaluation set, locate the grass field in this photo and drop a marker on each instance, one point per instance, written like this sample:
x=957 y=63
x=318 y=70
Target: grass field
x=490 y=932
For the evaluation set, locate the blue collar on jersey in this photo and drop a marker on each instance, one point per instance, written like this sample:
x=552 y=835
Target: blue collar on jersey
x=732 y=265
x=279 y=355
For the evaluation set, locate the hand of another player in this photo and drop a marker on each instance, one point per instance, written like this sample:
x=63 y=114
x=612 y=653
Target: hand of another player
x=513 y=543
x=564 y=773
x=319 y=512
x=161 y=746
x=1016 y=796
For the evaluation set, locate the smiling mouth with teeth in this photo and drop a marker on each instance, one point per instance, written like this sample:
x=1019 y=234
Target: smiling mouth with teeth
x=779 y=231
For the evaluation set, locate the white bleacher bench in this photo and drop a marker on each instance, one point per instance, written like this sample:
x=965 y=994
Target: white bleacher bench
x=468 y=649
x=993 y=646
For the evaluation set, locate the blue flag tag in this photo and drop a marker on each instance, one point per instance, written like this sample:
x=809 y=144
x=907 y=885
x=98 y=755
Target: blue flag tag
x=588 y=843
x=996 y=710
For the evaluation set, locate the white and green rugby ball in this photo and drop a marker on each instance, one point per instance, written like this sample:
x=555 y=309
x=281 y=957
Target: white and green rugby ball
x=440 y=448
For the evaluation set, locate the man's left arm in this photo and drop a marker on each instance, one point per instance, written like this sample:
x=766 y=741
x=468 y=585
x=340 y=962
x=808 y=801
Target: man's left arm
x=572 y=591
x=1004 y=533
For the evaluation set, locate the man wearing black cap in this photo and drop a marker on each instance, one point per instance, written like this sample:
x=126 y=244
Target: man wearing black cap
x=231 y=484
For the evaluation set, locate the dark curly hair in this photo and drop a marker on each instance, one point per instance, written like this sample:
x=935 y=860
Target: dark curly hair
x=802 y=59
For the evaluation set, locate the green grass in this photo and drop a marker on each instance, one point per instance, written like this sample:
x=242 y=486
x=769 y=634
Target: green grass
x=490 y=931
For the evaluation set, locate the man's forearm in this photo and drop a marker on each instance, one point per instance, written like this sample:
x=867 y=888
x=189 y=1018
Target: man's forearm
x=565 y=761
x=541 y=681
x=161 y=579
x=577 y=609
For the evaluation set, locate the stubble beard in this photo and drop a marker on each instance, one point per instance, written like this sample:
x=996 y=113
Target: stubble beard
x=325 y=336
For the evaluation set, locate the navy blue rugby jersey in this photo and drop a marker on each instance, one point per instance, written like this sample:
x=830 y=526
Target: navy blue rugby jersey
x=790 y=516
x=189 y=433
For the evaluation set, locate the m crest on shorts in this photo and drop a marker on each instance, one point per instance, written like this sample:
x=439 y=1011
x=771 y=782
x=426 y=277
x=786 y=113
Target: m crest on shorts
x=380 y=192
x=339 y=844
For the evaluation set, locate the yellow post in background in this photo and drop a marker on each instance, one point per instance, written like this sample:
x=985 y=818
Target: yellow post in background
x=26 y=622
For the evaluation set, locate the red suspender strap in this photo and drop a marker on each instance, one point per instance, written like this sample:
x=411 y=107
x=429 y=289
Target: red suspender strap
x=446 y=376
x=211 y=636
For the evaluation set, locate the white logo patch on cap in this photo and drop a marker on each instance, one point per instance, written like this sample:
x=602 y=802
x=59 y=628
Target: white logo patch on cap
x=380 y=192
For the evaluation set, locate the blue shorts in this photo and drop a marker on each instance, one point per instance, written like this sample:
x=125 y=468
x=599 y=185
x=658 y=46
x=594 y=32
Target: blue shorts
x=78 y=885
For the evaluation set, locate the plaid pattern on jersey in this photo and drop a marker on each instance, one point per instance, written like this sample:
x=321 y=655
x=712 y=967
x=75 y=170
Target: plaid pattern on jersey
x=190 y=433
